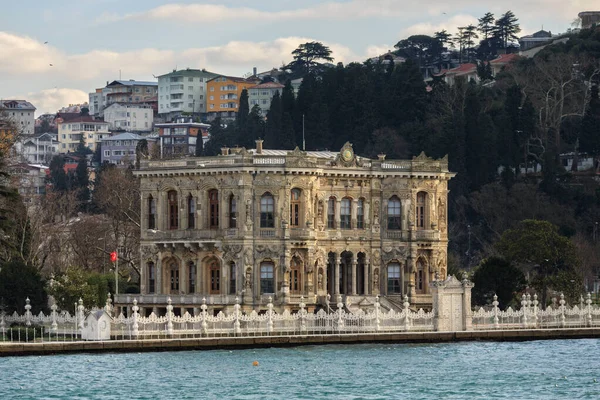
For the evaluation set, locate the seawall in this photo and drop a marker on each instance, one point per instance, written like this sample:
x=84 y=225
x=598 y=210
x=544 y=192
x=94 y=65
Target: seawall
x=179 y=344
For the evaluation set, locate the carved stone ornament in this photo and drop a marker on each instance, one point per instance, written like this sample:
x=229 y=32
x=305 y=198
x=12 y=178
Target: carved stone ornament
x=149 y=252
x=394 y=253
x=299 y=159
x=266 y=251
x=347 y=158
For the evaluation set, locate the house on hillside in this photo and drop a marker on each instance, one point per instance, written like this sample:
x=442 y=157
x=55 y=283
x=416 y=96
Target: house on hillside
x=83 y=127
x=180 y=137
x=21 y=112
x=224 y=94
x=262 y=94
x=120 y=149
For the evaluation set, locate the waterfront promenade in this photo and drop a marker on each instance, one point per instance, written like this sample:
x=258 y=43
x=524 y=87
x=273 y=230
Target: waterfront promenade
x=214 y=343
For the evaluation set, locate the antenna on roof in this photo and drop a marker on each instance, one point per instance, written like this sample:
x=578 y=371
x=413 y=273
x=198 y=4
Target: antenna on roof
x=303 y=141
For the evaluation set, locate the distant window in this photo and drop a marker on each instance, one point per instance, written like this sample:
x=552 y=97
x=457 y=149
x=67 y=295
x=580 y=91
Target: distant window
x=191 y=205
x=151 y=277
x=106 y=153
x=213 y=200
x=267 y=218
x=173 y=209
x=232 y=212
x=331 y=213
x=191 y=277
x=360 y=214
x=151 y=213
x=394 y=213
x=393 y=278
x=267 y=278
x=232 y=278
x=345 y=213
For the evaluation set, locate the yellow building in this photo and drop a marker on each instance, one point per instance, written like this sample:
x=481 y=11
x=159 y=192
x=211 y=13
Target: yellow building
x=71 y=131
x=224 y=94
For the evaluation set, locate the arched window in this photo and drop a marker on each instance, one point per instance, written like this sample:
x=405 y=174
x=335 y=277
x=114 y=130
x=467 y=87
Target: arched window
x=213 y=208
x=174 y=276
x=295 y=207
x=232 y=278
x=267 y=278
x=191 y=206
x=296 y=276
x=331 y=213
x=360 y=214
x=173 y=209
x=345 y=213
x=393 y=278
x=420 y=278
x=215 y=277
x=232 y=212
x=421 y=210
x=267 y=218
x=151 y=277
x=151 y=212
x=394 y=213
x=191 y=277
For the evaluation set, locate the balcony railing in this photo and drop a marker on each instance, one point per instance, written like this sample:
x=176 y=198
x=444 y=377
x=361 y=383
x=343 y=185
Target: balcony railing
x=176 y=299
x=427 y=235
x=267 y=233
x=182 y=234
x=398 y=235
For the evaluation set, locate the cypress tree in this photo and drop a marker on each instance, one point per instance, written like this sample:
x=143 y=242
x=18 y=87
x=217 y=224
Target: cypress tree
x=273 y=128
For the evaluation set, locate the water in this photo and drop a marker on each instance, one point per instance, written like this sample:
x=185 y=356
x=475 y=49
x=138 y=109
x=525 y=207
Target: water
x=472 y=370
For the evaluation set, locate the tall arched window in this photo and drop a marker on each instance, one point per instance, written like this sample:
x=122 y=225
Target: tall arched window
x=215 y=277
x=420 y=278
x=151 y=212
x=295 y=207
x=394 y=213
x=174 y=276
x=151 y=277
x=267 y=278
x=191 y=277
x=173 y=209
x=232 y=212
x=345 y=213
x=232 y=278
x=213 y=208
x=296 y=276
x=360 y=214
x=393 y=278
x=191 y=206
x=331 y=213
x=421 y=210
x=267 y=217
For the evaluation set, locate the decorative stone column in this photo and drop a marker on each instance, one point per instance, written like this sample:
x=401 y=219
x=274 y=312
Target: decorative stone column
x=337 y=216
x=354 y=264
x=158 y=289
x=366 y=276
x=285 y=268
x=336 y=275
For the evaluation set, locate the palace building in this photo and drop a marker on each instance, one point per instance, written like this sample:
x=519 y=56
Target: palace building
x=291 y=226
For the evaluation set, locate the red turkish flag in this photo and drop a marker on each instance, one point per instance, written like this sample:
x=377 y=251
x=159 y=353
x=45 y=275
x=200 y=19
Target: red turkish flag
x=113 y=256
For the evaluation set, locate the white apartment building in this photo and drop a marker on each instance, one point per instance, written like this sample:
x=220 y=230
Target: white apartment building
x=21 y=112
x=129 y=117
x=261 y=95
x=182 y=91
x=122 y=91
x=38 y=149
x=71 y=131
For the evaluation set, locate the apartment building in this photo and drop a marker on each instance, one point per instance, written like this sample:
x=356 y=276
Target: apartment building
x=180 y=137
x=182 y=91
x=124 y=92
x=129 y=117
x=224 y=94
x=72 y=131
x=262 y=94
x=21 y=112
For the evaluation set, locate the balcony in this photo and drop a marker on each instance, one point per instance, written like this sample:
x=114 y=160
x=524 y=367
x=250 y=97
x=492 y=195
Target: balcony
x=194 y=299
x=395 y=235
x=181 y=234
x=427 y=235
x=267 y=233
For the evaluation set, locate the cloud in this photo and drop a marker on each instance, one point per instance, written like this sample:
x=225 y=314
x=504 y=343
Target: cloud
x=450 y=25
x=214 y=13
x=26 y=64
x=50 y=100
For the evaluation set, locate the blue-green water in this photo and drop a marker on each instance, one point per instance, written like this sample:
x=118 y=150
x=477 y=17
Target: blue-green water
x=475 y=370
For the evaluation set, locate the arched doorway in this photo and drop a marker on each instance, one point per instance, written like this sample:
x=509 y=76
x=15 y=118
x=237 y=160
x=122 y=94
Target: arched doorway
x=296 y=275
x=213 y=276
x=346 y=272
x=171 y=275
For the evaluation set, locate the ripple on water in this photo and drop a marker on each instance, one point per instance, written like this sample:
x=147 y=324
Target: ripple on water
x=532 y=370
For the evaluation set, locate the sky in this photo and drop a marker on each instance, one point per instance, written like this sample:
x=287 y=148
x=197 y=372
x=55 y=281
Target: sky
x=54 y=52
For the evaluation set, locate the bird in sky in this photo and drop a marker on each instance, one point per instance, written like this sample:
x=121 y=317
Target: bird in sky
x=51 y=65
x=45 y=42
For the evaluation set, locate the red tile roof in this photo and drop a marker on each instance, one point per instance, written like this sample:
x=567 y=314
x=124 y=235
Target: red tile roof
x=505 y=58
x=462 y=69
x=268 y=85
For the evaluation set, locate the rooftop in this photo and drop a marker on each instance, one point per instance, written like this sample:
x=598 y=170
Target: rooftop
x=124 y=136
x=17 y=104
x=132 y=82
x=82 y=118
x=236 y=79
x=189 y=71
x=268 y=85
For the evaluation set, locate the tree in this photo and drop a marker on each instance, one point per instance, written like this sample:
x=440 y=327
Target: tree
x=274 y=125
x=496 y=276
x=82 y=149
x=199 y=145
x=421 y=48
x=58 y=176
x=19 y=281
x=241 y=118
x=469 y=34
x=539 y=247
x=507 y=28
x=486 y=25
x=74 y=284
x=306 y=58
x=141 y=151
x=83 y=180
x=590 y=136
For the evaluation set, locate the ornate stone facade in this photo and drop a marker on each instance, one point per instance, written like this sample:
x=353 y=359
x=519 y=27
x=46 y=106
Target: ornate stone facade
x=257 y=223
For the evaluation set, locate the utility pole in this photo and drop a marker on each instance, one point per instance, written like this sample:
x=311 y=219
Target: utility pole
x=303 y=141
